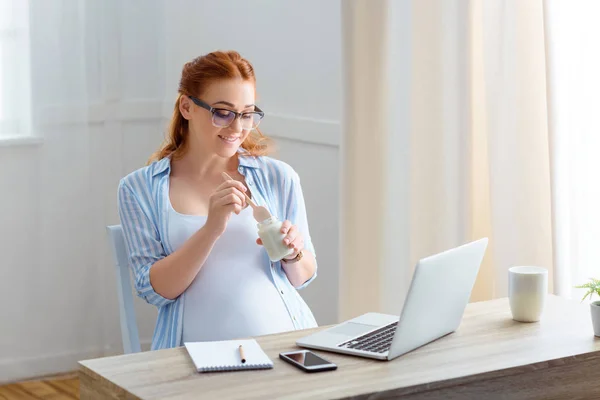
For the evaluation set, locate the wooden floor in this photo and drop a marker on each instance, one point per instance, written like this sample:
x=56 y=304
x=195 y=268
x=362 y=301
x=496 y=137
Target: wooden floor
x=65 y=387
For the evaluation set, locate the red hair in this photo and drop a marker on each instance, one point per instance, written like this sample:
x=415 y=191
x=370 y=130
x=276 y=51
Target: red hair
x=195 y=78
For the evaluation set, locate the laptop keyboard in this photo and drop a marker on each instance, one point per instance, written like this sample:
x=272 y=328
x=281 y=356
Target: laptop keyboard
x=378 y=341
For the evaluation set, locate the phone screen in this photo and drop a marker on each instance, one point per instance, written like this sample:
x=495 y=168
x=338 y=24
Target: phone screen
x=307 y=359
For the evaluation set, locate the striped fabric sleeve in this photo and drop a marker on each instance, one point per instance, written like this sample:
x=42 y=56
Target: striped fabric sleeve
x=142 y=239
x=296 y=213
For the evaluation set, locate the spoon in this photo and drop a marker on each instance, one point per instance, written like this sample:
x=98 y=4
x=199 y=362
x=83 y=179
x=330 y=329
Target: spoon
x=260 y=213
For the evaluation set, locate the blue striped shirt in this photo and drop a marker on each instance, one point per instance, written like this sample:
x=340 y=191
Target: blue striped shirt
x=143 y=210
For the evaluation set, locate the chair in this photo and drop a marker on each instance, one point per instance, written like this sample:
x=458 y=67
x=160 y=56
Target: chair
x=129 y=330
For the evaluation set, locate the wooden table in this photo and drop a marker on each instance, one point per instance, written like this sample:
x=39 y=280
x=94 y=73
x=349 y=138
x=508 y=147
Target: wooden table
x=489 y=357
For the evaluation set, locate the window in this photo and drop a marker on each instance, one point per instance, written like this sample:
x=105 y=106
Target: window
x=15 y=105
x=574 y=93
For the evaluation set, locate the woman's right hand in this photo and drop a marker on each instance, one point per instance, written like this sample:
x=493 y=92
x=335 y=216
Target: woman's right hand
x=227 y=198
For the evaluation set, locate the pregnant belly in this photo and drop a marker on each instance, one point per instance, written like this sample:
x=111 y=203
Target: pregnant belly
x=233 y=301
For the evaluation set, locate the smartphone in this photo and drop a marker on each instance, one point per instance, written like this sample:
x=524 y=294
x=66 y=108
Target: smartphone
x=307 y=361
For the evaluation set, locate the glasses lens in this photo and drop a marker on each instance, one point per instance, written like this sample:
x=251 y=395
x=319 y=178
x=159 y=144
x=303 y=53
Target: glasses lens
x=223 y=118
x=250 y=120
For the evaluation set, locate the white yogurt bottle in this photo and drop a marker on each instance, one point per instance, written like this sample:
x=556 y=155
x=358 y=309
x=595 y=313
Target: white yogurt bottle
x=269 y=232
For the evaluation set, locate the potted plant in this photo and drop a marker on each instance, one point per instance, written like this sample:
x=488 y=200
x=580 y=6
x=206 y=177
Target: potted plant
x=593 y=287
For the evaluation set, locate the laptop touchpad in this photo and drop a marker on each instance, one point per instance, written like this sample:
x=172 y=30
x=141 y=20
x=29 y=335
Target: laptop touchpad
x=351 y=329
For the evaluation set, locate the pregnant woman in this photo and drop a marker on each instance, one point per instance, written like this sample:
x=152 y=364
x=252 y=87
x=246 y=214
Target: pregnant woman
x=192 y=240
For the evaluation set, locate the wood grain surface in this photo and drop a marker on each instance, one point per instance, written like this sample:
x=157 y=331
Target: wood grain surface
x=490 y=355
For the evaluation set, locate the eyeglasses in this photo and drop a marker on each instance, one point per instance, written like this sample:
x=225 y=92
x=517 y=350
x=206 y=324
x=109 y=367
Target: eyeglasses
x=223 y=118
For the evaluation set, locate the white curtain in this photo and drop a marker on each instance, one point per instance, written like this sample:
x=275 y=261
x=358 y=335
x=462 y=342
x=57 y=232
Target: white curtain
x=55 y=288
x=509 y=114
x=448 y=117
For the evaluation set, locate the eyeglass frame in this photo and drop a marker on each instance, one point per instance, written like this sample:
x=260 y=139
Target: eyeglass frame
x=212 y=111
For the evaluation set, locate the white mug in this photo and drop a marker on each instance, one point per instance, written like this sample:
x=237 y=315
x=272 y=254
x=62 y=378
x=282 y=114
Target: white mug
x=527 y=291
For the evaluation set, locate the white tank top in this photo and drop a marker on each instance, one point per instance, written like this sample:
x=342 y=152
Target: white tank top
x=233 y=296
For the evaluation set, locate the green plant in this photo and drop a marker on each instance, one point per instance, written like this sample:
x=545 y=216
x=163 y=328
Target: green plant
x=593 y=287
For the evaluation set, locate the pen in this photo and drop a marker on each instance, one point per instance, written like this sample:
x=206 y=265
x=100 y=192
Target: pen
x=242 y=356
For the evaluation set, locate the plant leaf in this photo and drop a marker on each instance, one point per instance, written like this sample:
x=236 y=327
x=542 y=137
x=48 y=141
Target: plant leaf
x=593 y=288
x=585 y=286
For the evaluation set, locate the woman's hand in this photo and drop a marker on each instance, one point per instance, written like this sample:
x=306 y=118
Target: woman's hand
x=293 y=238
x=228 y=198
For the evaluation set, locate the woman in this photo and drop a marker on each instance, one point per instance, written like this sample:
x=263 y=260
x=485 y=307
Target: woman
x=191 y=238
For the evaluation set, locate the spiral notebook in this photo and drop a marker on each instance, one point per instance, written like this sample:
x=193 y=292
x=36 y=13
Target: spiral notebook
x=225 y=355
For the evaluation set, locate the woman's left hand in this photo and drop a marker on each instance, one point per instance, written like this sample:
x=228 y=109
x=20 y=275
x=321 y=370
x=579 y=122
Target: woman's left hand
x=292 y=239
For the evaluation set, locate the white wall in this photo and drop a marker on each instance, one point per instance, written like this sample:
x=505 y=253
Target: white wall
x=57 y=293
x=294 y=46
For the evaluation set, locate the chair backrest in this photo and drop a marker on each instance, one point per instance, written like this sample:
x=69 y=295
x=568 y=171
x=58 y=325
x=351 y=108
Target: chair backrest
x=129 y=331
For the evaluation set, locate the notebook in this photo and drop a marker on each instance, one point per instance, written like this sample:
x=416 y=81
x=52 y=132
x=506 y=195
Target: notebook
x=225 y=355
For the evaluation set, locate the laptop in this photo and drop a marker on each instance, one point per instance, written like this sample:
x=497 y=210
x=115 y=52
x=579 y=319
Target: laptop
x=438 y=295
